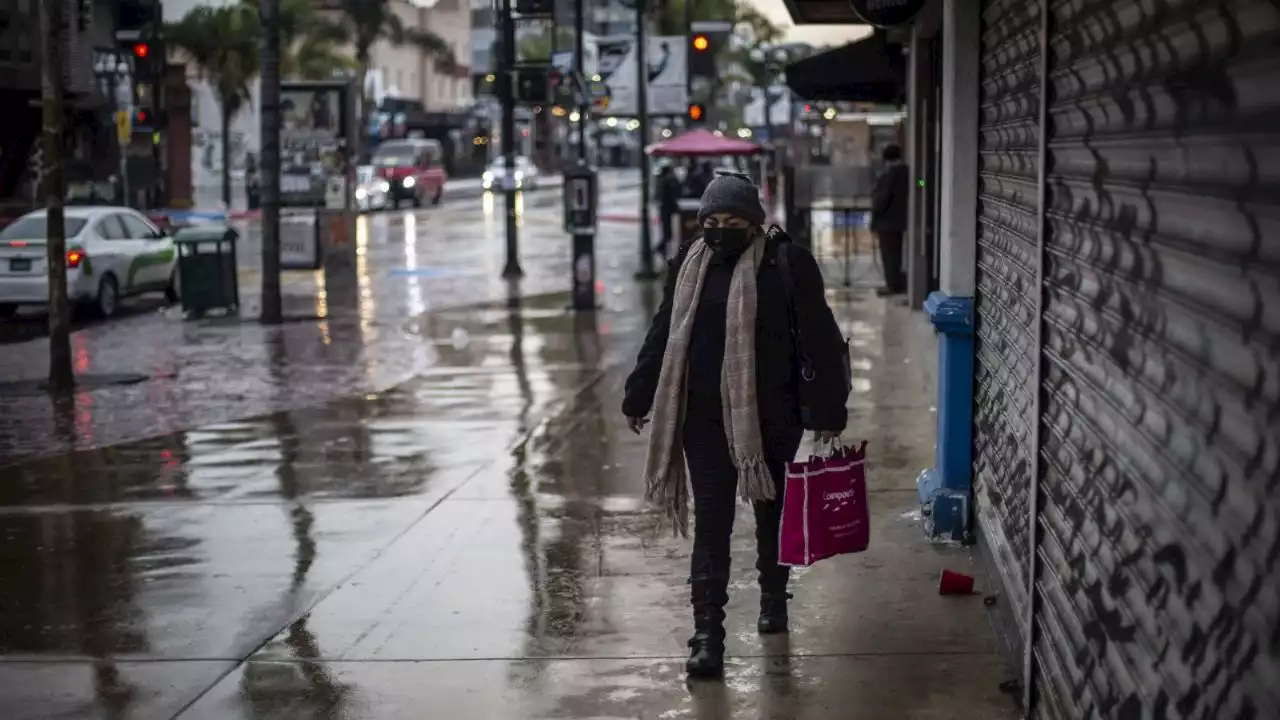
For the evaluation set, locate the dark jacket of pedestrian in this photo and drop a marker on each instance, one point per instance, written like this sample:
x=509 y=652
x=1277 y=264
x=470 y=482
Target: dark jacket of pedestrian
x=668 y=192
x=718 y=381
x=698 y=180
x=889 y=199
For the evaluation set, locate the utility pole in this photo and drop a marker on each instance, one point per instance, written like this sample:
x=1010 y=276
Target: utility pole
x=646 y=271
x=506 y=95
x=581 y=185
x=580 y=72
x=269 y=18
x=53 y=27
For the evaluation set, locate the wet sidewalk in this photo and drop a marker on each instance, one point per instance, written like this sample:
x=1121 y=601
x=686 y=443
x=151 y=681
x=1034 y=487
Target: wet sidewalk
x=409 y=264
x=468 y=543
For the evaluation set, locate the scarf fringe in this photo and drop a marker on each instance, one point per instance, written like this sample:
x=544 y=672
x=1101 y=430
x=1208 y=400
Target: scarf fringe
x=755 y=482
x=669 y=490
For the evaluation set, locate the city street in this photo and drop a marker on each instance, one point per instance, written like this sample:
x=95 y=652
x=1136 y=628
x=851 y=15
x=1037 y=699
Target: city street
x=420 y=500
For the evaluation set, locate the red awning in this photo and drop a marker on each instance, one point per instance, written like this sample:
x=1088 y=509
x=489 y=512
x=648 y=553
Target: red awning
x=704 y=143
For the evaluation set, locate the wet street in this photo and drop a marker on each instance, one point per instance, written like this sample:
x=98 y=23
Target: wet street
x=419 y=499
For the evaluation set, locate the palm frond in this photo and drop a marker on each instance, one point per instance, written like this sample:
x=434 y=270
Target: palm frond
x=393 y=28
x=435 y=46
x=222 y=44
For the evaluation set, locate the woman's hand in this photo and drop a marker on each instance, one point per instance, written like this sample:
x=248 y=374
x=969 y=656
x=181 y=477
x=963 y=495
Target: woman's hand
x=825 y=436
x=637 y=424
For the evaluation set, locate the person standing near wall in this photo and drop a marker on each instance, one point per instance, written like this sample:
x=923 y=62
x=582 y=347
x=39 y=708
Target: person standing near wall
x=889 y=219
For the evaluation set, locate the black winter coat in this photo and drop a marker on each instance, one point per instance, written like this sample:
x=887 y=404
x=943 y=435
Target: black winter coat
x=889 y=200
x=777 y=369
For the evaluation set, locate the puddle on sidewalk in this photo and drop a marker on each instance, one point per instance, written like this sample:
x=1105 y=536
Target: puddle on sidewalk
x=496 y=369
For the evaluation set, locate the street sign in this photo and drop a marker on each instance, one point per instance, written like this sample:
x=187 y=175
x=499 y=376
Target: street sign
x=124 y=126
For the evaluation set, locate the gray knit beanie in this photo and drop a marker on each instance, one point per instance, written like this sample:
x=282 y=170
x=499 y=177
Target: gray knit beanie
x=732 y=193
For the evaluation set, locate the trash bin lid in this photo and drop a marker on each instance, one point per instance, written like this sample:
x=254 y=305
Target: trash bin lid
x=211 y=232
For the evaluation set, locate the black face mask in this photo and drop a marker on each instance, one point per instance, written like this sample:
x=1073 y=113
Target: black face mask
x=727 y=240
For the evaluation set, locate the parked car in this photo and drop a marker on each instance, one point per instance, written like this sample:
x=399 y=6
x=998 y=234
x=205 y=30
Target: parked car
x=413 y=168
x=372 y=192
x=525 y=176
x=112 y=252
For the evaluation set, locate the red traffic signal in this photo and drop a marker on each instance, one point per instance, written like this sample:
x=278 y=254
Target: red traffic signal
x=141 y=117
x=697 y=112
x=701 y=42
x=141 y=51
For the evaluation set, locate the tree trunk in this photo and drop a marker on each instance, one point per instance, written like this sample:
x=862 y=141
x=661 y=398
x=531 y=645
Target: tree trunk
x=269 y=17
x=53 y=28
x=365 y=112
x=226 y=154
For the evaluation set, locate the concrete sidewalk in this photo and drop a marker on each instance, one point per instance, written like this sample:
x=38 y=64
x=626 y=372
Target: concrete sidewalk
x=472 y=540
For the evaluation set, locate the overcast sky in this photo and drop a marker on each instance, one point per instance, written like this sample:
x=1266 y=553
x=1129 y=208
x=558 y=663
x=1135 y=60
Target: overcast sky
x=816 y=34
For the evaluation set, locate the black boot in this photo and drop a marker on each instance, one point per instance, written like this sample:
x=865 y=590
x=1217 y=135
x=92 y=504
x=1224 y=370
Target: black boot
x=706 y=657
x=772 y=576
x=773 y=612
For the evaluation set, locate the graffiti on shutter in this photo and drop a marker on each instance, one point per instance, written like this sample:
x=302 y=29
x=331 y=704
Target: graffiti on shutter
x=1004 y=390
x=1159 y=523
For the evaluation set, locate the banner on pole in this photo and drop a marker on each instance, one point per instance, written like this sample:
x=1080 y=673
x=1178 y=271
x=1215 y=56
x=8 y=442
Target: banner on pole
x=667 y=74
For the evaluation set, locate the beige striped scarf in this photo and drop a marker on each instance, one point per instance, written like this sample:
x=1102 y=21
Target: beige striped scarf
x=666 y=475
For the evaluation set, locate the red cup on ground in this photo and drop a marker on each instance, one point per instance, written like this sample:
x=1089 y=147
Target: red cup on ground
x=954 y=583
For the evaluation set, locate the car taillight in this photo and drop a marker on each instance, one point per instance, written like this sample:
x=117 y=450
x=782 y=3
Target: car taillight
x=74 y=258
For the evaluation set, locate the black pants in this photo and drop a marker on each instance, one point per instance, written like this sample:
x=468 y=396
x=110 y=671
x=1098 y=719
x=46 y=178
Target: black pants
x=895 y=277
x=715 y=482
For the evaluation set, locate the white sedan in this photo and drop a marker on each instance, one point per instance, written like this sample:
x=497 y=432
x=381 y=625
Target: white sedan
x=525 y=176
x=372 y=192
x=112 y=252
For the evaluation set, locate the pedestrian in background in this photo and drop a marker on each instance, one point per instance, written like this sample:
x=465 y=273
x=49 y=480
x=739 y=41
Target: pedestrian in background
x=668 y=205
x=719 y=371
x=699 y=177
x=889 y=219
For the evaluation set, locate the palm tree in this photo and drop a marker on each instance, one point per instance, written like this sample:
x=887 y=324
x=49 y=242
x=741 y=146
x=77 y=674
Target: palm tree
x=372 y=20
x=311 y=43
x=222 y=43
x=672 y=16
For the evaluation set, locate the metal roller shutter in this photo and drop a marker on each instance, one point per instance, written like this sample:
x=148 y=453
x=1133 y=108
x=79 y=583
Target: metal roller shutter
x=1005 y=305
x=1158 y=535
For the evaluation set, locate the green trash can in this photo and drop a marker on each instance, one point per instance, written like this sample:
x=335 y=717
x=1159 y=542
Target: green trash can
x=207 y=269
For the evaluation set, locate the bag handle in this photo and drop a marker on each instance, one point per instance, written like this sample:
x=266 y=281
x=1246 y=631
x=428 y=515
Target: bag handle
x=832 y=447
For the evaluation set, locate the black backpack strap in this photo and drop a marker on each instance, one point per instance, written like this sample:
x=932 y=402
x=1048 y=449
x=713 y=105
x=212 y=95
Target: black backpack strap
x=788 y=289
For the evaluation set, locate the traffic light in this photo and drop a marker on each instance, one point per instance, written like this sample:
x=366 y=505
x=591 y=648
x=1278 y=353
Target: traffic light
x=141 y=51
x=702 y=55
x=532 y=85
x=697 y=112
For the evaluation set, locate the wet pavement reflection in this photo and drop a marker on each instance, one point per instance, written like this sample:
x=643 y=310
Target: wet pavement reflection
x=470 y=542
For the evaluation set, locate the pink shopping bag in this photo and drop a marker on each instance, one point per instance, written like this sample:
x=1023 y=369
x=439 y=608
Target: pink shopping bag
x=824 y=508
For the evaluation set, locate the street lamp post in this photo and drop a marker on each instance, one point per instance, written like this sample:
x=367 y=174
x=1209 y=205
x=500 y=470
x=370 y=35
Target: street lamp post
x=770 y=60
x=647 y=271
x=506 y=96
x=116 y=80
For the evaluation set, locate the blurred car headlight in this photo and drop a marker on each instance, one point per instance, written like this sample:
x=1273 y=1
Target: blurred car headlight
x=488 y=176
x=381 y=186
x=410 y=181
x=519 y=175
x=361 y=193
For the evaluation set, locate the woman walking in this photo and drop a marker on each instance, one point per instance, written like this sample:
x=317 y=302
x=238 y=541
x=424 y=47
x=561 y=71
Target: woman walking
x=721 y=375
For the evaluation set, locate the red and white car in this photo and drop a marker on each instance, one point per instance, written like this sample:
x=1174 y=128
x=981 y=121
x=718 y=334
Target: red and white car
x=413 y=168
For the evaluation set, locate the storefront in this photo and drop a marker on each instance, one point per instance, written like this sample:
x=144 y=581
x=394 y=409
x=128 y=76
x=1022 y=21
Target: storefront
x=1108 y=220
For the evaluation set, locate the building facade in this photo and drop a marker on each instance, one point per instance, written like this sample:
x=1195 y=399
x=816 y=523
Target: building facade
x=91 y=61
x=1108 y=258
